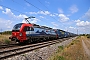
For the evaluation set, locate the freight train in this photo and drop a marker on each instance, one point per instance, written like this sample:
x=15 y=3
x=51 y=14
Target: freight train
x=27 y=32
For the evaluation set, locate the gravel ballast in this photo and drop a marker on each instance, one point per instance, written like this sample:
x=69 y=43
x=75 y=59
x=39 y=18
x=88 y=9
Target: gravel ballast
x=42 y=53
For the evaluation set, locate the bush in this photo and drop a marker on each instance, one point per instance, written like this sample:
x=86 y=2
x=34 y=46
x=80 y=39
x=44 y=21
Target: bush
x=61 y=47
x=88 y=35
x=7 y=41
x=72 y=43
x=60 y=58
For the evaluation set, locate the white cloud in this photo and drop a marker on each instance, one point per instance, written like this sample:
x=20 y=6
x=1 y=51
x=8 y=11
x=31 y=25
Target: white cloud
x=23 y=21
x=52 y=15
x=20 y=16
x=77 y=21
x=32 y=12
x=9 y=13
x=35 y=20
x=82 y=23
x=43 y=12
x=1 y=8
x=73 y=9
x=55 y=14
x=54 y=24
x=83 y=26
x=63 y=18
x=83 y=30
x=6 y=24
x=60 y=10
x=72 y=27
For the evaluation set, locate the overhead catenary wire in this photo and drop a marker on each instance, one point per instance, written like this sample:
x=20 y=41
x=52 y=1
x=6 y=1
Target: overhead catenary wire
x=22 y=5
x=46 y=7
x=20 y=11
x=43 y=4
x=12 y=9
x=38 y=8
x=18 y=3
x=32 y=5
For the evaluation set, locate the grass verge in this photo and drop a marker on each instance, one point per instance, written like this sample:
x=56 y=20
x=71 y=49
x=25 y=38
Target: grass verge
x=4 y=39
x=74 y=51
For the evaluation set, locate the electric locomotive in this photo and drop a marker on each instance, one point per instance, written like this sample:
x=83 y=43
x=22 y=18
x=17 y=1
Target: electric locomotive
x=26 y=32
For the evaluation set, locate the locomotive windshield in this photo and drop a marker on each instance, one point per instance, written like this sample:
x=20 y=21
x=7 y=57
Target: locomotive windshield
x=17 y=27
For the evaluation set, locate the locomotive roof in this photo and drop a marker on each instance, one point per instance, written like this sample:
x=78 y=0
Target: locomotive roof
x=44 y=27
x=20 y=23
x=49 y=28
x=35 y=25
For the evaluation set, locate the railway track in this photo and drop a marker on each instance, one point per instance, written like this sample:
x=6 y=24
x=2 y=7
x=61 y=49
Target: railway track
x=13 y=45
x=19 y=50
x=7 y=46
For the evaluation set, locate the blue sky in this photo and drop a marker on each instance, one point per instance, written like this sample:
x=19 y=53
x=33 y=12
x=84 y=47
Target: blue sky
x=68 y=15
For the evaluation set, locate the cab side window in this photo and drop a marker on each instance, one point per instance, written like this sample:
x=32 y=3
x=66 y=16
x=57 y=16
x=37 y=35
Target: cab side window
x=28 y=29
x=31 y=29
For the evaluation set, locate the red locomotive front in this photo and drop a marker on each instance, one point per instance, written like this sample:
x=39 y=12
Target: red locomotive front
x=18 y=32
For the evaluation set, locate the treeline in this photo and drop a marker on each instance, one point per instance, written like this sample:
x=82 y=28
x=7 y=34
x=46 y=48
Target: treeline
x=6 y=33
x=88 y=35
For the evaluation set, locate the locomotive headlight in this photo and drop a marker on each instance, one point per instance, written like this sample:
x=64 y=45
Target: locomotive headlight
x=20 y=34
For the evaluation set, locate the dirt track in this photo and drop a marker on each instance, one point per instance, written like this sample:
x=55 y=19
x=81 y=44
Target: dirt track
x=86 y=46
